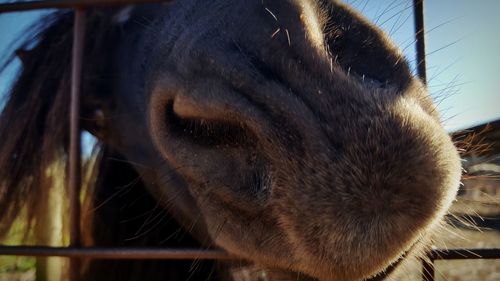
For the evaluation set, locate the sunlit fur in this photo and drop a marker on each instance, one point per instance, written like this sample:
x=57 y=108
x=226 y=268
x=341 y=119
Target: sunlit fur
x=292 y=134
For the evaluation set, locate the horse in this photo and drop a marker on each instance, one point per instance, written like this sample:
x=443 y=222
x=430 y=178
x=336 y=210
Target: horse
x=290 y=133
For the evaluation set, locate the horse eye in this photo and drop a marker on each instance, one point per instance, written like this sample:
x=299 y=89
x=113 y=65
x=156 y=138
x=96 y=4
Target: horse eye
x=206 y=132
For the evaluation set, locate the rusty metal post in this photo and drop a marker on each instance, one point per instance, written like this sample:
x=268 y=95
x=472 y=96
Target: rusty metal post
x=418 y=11
x=428 y=269
x=68 y=4
x=118 y=253
x=75 y=166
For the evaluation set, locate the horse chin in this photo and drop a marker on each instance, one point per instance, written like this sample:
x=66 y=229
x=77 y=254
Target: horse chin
x=254 y=272
x=284 y=264
x=391 y=268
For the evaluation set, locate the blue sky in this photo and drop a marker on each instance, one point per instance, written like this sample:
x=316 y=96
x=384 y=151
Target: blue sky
x=463 y=59
x=463 y=41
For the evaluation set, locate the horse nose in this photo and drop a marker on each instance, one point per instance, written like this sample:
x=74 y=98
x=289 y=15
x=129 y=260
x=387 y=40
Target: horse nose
x=388 y=187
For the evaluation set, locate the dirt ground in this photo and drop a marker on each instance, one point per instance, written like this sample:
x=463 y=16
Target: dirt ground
x=18 y=276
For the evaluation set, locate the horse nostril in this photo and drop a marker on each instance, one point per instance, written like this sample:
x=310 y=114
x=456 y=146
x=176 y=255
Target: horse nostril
x=205 y=115
x=212 y=143
x=187 y=123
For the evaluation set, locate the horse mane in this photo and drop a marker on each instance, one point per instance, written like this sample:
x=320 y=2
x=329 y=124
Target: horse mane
x=32 y=124
x=126 y=215
x=34 y=121
x=35 y=131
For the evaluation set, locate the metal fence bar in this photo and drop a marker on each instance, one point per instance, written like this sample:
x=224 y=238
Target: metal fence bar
x=428 y=272
x=418 y=13
x=174 y=253
x=464 y=254
x=75 y=165
x=116 y=253
x=68 y=4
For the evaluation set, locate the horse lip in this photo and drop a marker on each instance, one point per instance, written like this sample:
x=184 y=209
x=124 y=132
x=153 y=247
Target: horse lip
x=381 y=275
x=388 y=270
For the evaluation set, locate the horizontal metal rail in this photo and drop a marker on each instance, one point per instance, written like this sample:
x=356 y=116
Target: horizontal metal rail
x=68 y=4
x=116 y=253
x=428 y=272
x=186 y=253
x=464 y=254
